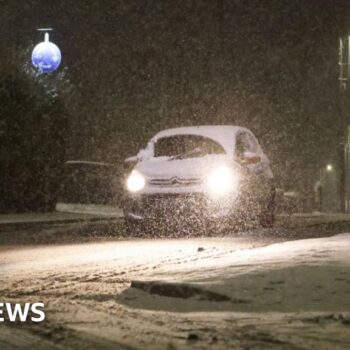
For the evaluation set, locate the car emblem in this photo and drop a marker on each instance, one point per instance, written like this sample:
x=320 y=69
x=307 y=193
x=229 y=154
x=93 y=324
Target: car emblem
x=175 y=180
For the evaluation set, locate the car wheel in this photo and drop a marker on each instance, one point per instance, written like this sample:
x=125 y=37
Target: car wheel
x=134 y=228
x=267 y=214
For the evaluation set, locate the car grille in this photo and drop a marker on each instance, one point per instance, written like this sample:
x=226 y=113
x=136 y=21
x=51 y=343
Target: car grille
x=174 y=207
x=172 y=204
x=175 y=182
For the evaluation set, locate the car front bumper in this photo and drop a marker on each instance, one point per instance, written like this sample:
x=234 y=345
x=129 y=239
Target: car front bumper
x=177 y=207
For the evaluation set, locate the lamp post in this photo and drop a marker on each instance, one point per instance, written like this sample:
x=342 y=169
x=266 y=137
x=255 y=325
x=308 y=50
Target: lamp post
x=322 y=187
x=46 y=56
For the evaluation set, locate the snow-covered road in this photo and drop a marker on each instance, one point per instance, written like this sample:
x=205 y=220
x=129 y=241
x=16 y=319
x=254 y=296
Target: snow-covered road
x=238 y=292
x=116 y=255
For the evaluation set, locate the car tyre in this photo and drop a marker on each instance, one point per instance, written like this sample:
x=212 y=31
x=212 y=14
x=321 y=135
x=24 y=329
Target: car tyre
x=267 y=214
x=134 y=228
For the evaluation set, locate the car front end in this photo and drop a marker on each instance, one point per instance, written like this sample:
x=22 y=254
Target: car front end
x=207 y=190
x=198 y=174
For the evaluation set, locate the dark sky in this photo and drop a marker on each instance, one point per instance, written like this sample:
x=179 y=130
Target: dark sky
x=139 y=66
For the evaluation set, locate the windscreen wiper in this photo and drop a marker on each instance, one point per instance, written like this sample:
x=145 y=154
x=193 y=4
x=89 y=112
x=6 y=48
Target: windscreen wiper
x=185 y=154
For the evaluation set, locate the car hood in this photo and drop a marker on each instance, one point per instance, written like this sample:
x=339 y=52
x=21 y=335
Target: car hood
x=183 y=168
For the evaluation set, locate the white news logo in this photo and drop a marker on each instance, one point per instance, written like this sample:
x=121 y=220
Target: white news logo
x=19 y=312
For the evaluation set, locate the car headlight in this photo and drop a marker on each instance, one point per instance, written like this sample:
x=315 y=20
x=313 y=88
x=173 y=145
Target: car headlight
x=222 y=181
x=136 y=181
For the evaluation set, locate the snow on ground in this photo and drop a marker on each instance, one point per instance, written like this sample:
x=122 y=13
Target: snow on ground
x=241 y=292
x=303 y=275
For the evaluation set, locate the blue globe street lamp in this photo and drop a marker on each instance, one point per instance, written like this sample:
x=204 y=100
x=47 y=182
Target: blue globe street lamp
x=46 y=56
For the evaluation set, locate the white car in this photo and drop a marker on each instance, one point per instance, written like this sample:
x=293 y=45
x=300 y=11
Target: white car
x=198 y=174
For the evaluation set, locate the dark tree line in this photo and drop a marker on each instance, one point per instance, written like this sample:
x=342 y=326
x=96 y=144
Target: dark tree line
x=32 y=138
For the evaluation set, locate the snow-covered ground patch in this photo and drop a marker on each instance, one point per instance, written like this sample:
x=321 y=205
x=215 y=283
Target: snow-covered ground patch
x=91 y=209
x=212 y=293
x=304 y=275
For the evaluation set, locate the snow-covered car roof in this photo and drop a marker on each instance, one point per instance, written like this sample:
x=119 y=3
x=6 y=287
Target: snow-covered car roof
x=222 y=134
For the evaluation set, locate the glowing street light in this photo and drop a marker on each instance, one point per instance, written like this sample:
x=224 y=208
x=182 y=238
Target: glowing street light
x=46 y=56
x=329 y=167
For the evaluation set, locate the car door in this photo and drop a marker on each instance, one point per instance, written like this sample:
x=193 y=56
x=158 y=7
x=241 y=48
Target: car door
x=246 y=142
x=263 y=166
x=255 y=176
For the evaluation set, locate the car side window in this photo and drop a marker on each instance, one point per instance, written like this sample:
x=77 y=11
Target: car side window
x=254 y=146
x=242 y=145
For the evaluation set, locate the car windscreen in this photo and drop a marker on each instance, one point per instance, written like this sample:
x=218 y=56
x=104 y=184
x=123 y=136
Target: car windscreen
x=186 y=146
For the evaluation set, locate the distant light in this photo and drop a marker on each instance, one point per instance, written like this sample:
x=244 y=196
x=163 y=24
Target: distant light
x=46 y=56
x=329 y=167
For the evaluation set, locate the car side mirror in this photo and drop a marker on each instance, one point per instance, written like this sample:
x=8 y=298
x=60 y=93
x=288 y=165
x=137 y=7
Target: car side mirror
x=132 y=159
x=143 y=154
x=250 y=158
